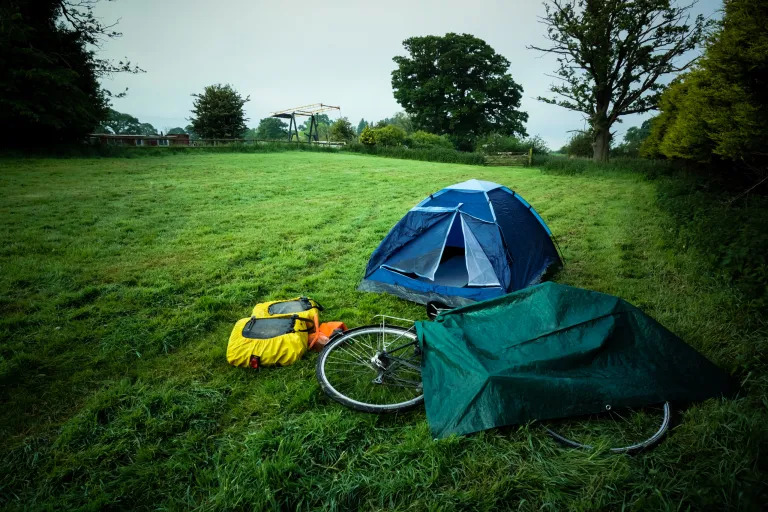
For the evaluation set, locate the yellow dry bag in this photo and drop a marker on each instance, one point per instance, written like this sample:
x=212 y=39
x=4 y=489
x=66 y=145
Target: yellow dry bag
x=278 y=332
x=259 y=342
x=301 y=306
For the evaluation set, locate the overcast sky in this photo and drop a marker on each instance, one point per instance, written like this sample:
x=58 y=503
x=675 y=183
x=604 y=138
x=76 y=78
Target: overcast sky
x=338 y=52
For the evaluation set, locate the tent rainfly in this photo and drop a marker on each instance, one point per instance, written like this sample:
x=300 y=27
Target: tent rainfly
x=468 y=242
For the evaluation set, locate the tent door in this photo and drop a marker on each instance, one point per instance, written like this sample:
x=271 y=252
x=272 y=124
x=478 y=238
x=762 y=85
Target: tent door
x=479 y=269
x=452 y=269
x=420 y=258
x=462 y=261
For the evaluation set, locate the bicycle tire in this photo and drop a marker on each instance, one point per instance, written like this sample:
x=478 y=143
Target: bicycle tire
x=635 y=447
x=355 y=403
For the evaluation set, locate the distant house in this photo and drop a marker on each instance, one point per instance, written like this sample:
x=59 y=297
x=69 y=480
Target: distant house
x=109 y=139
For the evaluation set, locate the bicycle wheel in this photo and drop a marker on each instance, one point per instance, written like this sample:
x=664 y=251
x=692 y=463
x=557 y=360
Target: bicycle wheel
x=372 y=369
x=624 y=431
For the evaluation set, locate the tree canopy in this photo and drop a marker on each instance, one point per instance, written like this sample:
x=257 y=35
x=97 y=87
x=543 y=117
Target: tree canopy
x=125 y=124
x=271 y=128
x=189 y=129
x=457 y=85
x=49 y=80
x=611 y=54
x=218 y=113
x=323 y=126
x=399 y=119
x=719 y=110
x=498 y=143
x=342 y=130
x=633 y=139
x=580 y=144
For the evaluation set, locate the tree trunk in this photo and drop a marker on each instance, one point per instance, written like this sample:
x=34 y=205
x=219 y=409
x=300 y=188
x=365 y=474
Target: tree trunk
x=601 y=144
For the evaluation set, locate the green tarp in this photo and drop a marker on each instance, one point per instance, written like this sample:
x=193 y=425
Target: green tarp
x=553 y=351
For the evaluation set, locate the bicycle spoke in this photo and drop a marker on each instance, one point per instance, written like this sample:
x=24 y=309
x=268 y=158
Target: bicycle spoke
x=350 y=368
x=350 y=363
x=369 y=346
x=357 y=352
x=393 y=341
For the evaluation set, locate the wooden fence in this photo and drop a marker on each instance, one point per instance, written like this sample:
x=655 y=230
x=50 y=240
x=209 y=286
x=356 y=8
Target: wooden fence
x=510 y=159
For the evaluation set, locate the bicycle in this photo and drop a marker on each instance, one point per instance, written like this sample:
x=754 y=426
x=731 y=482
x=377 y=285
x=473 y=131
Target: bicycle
x=377 y=369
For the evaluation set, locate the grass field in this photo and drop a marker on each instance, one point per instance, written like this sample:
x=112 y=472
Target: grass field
x=120 y=280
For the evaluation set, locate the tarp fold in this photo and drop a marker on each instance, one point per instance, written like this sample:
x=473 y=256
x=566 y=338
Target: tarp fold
x=553 y=351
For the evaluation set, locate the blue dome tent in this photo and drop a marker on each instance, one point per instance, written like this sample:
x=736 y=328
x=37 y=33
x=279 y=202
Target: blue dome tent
x=468 y=242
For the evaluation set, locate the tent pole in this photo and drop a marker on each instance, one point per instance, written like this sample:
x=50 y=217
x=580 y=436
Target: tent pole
x=558 y=249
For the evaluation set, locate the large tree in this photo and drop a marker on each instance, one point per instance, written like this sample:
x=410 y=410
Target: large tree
x=719 y=111
x=189 y=129
x=400 y=119
x=323 y=123
x=49 y=89
x=342 y=130
x=125 y=124
x=271 y=128
x=611 y=55
x=457 y=85
x=218 y=113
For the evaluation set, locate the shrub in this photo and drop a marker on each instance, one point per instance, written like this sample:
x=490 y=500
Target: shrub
x=383 y=136
x=731 y=237
x=580 y=144
x=96 y=151
x=389 y=135
x=538 y=144
x=426 y=140
x=633 y=139
x=367 y=136
x=562 y=165
x=498 y=143
x=342 y=130
x=443 y=155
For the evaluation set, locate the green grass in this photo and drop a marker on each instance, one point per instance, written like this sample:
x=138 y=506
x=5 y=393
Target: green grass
x=121 y=279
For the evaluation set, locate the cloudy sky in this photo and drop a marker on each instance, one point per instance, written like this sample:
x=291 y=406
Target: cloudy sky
x=338 y=52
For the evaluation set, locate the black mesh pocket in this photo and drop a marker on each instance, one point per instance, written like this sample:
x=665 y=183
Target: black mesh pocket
x=265 y=328
x=290 y=306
